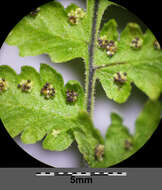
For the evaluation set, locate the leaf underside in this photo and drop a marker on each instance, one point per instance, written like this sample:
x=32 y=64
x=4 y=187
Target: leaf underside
x=30 y=113
x=50 y=32
x=117 y=136
x=143 y=66
x=35 y=117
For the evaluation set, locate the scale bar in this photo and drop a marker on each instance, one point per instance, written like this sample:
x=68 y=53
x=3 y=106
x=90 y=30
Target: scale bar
x=45 y=174
x=118 y=174
x=84 y=174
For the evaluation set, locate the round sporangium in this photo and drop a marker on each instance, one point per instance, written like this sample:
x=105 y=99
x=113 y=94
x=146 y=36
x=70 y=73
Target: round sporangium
x=75 y=15
x=79 y=13
x=73 y=20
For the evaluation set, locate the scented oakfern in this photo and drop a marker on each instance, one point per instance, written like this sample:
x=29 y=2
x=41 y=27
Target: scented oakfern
x=38 y=105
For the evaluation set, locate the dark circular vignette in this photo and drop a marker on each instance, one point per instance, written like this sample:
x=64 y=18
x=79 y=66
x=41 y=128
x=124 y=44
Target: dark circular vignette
x=11 y=154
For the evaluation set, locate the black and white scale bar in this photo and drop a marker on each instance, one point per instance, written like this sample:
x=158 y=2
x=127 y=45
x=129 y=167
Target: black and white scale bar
x=108 y=173
x=124 y=174
x=63 y=173
x=72 y=173
x=84 y=174
x=45 y=174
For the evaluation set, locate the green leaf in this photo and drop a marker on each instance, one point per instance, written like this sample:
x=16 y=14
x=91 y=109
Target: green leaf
x=142 y=66
x=116 y=137
x=147 y=123
x=49 y=32
x=120 y=144
x=115 y=91
x=131 y=57
x=110 y=30
x=30 y=113
x=87 y=137
x=58 y=140
x=71 y=7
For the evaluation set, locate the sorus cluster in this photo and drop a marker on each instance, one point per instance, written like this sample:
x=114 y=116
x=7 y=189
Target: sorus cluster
x=157 y=45
x=48 y=91
x=76 y=15
x=109 y=46
x=136 y=43
x=120 y=77
x=71 y=96
x=25 y=85
x=99 y=152
x=35 y=12
x=55 y=132
x=3 y=85
x=128 y=144
x=103 y=42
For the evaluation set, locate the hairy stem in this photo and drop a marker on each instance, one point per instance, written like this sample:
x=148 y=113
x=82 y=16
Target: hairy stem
x=91 y=79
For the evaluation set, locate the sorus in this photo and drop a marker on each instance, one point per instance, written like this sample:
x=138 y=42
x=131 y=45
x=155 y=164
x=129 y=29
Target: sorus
x=71 y=96
x=99 y=152
x=48 y=91
x=3 y=85
x=25 y=85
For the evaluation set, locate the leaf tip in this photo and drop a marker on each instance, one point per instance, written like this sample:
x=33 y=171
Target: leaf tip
x=115 y=118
